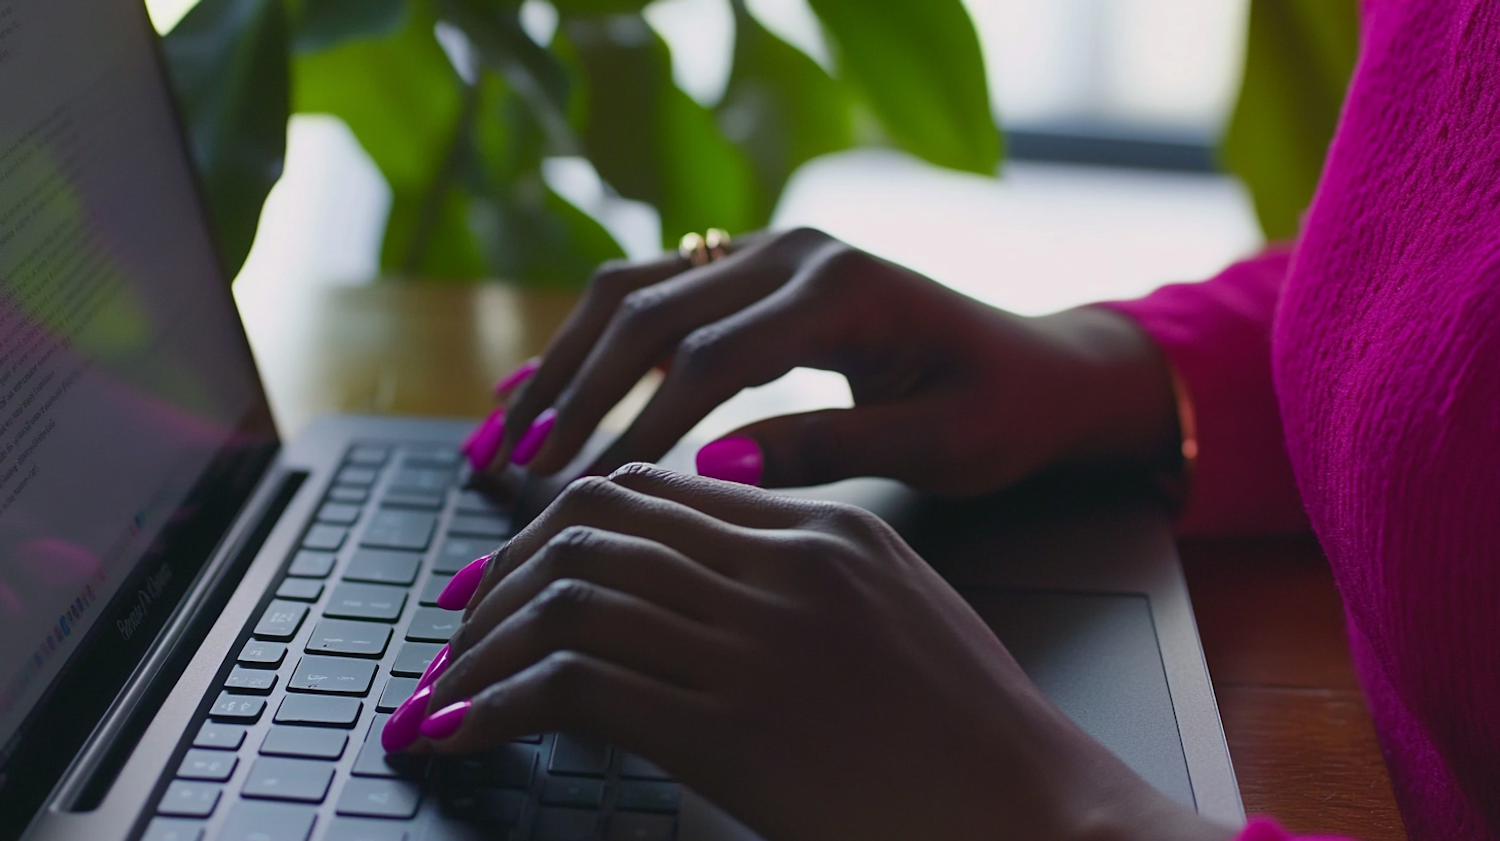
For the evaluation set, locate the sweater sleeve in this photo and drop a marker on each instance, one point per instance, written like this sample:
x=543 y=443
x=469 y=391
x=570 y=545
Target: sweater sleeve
x=1217 y=336
x=1265 y=829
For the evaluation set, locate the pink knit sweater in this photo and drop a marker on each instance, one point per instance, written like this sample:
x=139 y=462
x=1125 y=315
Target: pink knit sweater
x=1356 y=378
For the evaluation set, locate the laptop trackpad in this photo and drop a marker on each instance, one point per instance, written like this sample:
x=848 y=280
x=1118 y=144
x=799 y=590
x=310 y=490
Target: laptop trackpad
x=1095 y=655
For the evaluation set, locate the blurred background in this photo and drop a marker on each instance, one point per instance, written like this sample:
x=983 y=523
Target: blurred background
x=1114 y=114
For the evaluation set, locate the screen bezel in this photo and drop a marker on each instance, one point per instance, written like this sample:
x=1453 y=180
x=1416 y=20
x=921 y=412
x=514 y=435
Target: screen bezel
x=60 y=723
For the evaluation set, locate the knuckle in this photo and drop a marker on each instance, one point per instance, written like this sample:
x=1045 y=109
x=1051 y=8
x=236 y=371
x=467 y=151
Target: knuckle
x=837 y=269
x=640 y=307
x=611 y=281
x=570 y=547
x=587 y=494
x=640 y=469
x=566 y=676
x=801 y=238
x=701 y=352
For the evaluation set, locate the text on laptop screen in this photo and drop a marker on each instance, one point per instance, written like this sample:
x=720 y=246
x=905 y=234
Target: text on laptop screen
x=123 y=368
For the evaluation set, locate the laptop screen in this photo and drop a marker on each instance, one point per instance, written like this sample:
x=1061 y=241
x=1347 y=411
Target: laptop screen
x=125 y=376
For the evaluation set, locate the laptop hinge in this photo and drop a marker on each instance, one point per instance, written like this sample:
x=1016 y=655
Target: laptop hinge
x=93 y=771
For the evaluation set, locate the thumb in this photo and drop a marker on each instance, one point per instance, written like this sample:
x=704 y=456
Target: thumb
x=815 y=448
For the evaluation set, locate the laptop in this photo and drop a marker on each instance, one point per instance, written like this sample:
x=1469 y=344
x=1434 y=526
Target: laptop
x=203 y=628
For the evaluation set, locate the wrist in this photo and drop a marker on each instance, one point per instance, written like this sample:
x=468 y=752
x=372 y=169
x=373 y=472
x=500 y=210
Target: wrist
x=1119 y=401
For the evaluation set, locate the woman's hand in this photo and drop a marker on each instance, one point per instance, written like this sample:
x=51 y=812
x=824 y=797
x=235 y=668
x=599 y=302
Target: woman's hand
x=794 y=661
x=951 y=395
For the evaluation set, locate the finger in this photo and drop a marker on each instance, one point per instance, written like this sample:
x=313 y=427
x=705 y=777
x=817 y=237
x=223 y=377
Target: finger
x=578 y=334
x=573 y=615
x=640 y=568
x=750 y=347
x=608 y=506
x=647 y=327
x=892 y=440
x=740 y=504
x=580 y=694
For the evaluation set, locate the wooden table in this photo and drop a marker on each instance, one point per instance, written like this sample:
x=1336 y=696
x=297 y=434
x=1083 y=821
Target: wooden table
x=1299 y=731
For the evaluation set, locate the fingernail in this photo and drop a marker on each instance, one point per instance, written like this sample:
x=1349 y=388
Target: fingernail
x=486 y=441
x=463 y=585
x=405 y=724
x=446 y=721
x=733 y=459
x=534 y=438
x=435 y=669
x=518 y=376
x=482 y=429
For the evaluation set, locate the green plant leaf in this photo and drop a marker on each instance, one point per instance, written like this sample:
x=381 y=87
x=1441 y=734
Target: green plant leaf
x=327 y=23
x=1298 y=63
x=781 y=109
x=407 y=106
x=648 y=139
x=920 y=68
x=599 y=7
x=228 y=63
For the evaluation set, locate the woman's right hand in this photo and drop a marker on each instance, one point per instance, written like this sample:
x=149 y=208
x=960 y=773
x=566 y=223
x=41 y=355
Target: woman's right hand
x=951 y=396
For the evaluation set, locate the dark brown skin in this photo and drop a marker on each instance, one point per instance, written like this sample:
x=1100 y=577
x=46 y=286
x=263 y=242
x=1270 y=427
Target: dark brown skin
x=796 y=661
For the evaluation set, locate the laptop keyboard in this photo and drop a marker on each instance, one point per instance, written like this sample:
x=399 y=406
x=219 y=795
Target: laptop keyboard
x=289 y=747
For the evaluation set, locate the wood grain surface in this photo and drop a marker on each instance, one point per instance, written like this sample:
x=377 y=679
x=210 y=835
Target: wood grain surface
x=1298 y=729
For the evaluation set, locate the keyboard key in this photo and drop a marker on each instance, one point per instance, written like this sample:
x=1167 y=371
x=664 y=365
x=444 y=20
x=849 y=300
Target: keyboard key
x=373 y=761
x=379 y=798
x=299 y=780
x=349 y=494
x=213 y=736
x=173 y=829
x=432 y=624
x=508 y=766
x=415 y=500
x=311 y=564
x=430 y=455
x=304 y=742
x=189 y=800
x=358 y=476
x=485 y=806
x=395 y=693
x=565 y=825
x=252 y=821
x=624 y=826
x=281 y=620
x=238 y=708
x=397 y=529
x=634 y=767
x=573 y=791
x=333 y=675
x=259 y=654
x=211 y=765
x=342 y=636
x=580 y=757
x=250 y=681
x=325 y=538
x=321 y=710
x=380 y=567
x=636 y=796
x=300 y=590
x=360 y=829
x=368 y=455
x=338 y=513
x=366 y=601
x=492 y=528
x=475 y=502
x=459 y=552
x=414 y=658
x=423 y=479
x=431 y=589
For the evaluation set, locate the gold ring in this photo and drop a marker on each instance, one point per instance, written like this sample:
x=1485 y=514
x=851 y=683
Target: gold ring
x=702 y=249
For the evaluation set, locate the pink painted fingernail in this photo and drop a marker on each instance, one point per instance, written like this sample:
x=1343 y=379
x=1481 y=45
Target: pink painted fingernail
x=435 y=669
x=405 y=724
x=531 y=443
x=518 y=376
x=446 y=721
x=733 y=459
x=485 y=442
x=463 y=585
x=482 y=429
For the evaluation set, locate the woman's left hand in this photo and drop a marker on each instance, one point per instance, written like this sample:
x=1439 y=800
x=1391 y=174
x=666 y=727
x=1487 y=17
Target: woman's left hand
x=794 y=661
